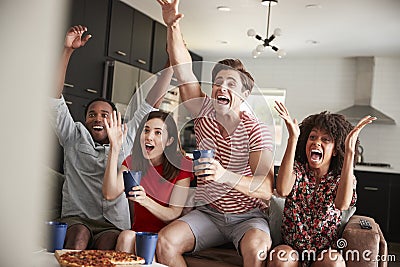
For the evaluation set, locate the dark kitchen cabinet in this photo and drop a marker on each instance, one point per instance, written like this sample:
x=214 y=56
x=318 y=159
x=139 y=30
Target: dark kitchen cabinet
x=373 y=197
x=84 y=77
x=130 y=36
x=159 y=52
x=394 y=222
x=141 y=41
x=120 y=34
x=197 y=65
x=76 y=106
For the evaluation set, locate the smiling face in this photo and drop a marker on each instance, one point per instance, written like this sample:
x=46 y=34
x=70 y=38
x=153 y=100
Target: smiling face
x=153 y=139
x=227 y=91
x=96 y=113
x=320 y=148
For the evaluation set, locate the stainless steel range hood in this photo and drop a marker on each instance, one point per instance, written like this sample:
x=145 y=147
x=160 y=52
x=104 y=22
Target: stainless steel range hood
x=363 y=93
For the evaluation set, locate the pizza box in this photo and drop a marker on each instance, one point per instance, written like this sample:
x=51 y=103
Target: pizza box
x=58 y=253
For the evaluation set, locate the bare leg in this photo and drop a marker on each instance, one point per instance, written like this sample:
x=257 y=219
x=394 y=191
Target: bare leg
x=254 y=246
x=106 y=240
x=77 y=237
x=126 y=241
x=282 y=255
x=174 y=240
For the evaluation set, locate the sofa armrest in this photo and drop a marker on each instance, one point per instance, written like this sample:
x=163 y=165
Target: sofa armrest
x=364 y=246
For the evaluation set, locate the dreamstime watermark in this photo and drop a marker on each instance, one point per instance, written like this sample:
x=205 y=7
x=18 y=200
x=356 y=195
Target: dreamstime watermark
x=332 y=254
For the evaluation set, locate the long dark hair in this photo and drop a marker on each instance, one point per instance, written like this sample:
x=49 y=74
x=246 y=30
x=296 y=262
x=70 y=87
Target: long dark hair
x=336 y=126
x=173 y=153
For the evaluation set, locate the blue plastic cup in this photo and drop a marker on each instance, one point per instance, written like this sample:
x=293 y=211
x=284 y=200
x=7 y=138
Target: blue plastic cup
x=131 y=179
x=146 y=243
x=56 y=235
x=207 y=153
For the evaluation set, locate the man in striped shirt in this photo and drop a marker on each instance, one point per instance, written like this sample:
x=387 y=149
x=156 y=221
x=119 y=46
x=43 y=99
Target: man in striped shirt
x=230 y=198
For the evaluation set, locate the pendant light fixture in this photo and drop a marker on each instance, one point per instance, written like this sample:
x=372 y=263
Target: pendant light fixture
x=269 y=38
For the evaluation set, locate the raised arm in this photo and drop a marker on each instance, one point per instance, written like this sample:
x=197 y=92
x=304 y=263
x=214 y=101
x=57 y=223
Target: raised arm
x=157 y=92
x=73 y=40
x=113 y=184
x=180 y=58
x=286 y=177
x=345 y=189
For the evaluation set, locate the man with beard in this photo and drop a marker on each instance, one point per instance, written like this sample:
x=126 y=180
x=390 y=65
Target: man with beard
x=93 y=222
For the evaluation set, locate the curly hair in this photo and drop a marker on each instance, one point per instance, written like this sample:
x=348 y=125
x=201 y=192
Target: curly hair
x=235 y=64
x=336 y=126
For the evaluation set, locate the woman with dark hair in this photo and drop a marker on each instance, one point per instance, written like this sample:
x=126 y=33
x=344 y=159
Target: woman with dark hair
x=316 y=177
x=166 y=174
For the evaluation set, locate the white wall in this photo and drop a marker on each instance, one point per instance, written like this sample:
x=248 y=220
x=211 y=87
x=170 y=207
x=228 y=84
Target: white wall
x=31 y=41
x=315 y=85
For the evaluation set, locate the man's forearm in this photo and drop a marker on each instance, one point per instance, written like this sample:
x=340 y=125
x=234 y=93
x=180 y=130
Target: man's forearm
x=66 y=55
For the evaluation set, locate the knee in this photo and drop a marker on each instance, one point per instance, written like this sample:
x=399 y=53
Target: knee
x=255 y=241
x=126 y=241
x=77 y=237
x=126 y=236
x=166 y=247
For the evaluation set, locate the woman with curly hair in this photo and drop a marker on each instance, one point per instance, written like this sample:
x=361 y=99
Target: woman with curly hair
x=316 y=177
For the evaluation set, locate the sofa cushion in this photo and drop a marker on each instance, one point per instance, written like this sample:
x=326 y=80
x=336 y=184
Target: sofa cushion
x=53 y=182
x=275 y=217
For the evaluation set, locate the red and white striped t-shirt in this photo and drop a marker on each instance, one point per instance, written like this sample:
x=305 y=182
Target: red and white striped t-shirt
x=233 y=154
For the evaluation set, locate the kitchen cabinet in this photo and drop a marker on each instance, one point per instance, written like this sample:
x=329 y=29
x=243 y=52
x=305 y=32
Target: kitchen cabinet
x=120 y=33
x=130 y=36
x=197 y=65
x=378 y=197
x=76 y=106
x=394 y=223
x=159 y=52
x=141 y=41
x=84 y=75
x=373 y=197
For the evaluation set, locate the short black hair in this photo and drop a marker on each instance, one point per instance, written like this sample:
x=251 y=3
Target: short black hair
x=102 y=100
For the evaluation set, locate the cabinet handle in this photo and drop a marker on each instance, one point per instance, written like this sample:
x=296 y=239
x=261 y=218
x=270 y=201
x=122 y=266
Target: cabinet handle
x=68 y=102
x=91 y=91
x=141 y=61
x=369 y=188
x=69 y=85
x=121 y=53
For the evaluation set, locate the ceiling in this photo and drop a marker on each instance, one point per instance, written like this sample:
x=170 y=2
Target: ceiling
x=340 y=28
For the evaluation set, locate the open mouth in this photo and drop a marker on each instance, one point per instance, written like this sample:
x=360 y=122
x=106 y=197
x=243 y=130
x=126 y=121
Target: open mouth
x=98 y=128
x=148 y=148
x=223 y=100
x=316 y=155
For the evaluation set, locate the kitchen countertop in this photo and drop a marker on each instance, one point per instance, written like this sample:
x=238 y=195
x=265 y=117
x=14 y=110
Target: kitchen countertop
x=377 y=169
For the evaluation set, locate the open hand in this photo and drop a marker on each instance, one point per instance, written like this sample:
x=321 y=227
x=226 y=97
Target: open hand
x=170 y=12
x=291 y=125
x=351 y=138
x=115 y=133
x=73 y=38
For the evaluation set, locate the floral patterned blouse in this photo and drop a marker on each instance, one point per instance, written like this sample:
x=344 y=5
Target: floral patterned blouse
x=311 y=221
